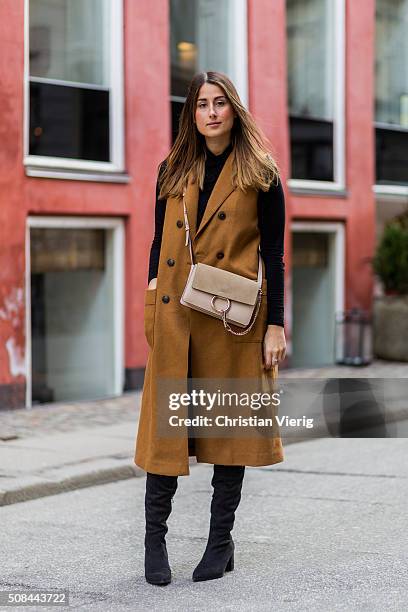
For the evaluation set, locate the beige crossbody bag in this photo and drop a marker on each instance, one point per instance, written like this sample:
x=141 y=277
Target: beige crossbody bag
x=231 y=297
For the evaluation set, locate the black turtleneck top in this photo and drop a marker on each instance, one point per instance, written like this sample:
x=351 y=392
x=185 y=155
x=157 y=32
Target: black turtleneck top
x=271 y=223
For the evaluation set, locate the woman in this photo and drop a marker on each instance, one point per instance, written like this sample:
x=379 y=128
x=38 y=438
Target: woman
x=235 y=202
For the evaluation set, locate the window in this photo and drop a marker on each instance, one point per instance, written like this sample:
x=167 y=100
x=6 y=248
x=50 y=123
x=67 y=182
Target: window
x=75 y=84
x=206 y=35
x=391 y=99
x=75 y=309
x=316 y=89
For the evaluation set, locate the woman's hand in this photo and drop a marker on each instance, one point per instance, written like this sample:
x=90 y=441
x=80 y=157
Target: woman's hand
x=153 y=283
x=274 y=345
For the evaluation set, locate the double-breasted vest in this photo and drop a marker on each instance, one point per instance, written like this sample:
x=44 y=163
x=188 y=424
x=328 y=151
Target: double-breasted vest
x=228 y=237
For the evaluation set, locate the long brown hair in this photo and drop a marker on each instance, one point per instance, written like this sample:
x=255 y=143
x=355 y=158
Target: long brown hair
x=252 y=164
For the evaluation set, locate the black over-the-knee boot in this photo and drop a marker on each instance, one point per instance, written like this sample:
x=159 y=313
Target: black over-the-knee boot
x=219 y=553
x=160 y=490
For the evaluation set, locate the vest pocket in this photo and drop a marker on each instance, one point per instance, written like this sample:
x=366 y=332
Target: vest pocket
x=149 y=310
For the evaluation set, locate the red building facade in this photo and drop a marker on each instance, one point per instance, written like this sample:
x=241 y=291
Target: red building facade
x=87 y=114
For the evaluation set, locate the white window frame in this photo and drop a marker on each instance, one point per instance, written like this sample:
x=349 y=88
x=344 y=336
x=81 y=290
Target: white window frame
x=239 y=25
x=339 y=122
x=54 y=167
x=384 y=192
x=116 y=225
x=238 y=20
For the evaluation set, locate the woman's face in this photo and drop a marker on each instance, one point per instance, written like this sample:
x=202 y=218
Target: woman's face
x=214 y=114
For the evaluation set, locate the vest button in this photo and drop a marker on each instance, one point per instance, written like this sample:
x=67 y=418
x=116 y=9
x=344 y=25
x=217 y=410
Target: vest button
x=170 y=262
x=220 y=254
x=221 y=215
x=179 y=223
x=166 y=299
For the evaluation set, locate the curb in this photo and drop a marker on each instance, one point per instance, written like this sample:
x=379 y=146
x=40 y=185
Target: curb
x=88 y=478
x=114 y=468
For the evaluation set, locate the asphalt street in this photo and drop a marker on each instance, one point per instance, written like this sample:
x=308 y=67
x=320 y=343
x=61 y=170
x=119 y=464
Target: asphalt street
x=324 y=530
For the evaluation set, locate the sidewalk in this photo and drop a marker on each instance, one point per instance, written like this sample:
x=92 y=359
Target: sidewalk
x=59 y=447
x=323 y=531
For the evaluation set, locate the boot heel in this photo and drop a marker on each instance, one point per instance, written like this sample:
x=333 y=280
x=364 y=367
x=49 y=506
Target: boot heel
x=230 y=564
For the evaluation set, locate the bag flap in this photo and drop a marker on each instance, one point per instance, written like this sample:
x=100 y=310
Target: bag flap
x=226 y=284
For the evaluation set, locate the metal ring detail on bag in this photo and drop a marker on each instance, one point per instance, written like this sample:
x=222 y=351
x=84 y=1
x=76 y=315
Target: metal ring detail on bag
x=222 y=311
x=247 y=329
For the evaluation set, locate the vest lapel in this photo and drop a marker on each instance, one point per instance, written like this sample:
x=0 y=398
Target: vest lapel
x=191 y=199
x=221 y=190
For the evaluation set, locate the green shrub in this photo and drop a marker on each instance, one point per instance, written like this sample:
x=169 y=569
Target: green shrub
x=390 y=262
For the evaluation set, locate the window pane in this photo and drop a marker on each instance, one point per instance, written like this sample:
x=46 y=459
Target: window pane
x=69 y=40
x=200 y=39
x=183 y=44
x=391 y=156
x=71 y=314
x=391 y=101
x=310 y=58
x=311 y=148
x=176 y=108
x=69 y=122
x=310 y=49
